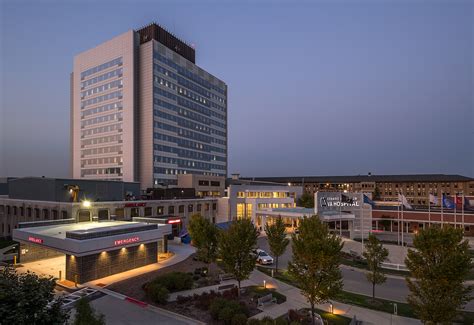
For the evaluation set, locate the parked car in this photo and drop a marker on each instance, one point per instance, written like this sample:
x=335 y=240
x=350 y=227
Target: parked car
x=263 y=258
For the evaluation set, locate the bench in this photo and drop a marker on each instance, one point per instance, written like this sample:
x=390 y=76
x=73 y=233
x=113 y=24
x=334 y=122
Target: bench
x=268 y=299
x=225 y=277
x=226 y=287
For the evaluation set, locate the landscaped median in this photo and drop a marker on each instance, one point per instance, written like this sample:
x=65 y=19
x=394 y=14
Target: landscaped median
x=364 y=301
x=224 y=306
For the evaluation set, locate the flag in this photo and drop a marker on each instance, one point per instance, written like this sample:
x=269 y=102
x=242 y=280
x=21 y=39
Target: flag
x=447 y=202
x=403 y=200
x=433 y=199
x=368 y=201
x=467 y=204
x=458 y=201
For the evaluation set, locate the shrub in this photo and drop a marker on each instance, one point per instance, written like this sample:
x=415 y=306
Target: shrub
x=196 y=277
x=174 y=281
x=253 y=321
x=295 y=316
x=231 y=293
x=226 y=314
x=267 y=320
x=239 y=319
x=157 y=293
x=182 y=299
x=281 y=321
x=216 y=305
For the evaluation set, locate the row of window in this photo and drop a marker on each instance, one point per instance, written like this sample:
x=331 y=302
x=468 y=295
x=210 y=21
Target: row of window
x=102 y=77
x=187 y=163
x=188 y=74
x=32 y=212
x=100 y=140
x=102 y=119
x=102 y=150
x=103 y=66
x=99 y=99
x=101 y=171
x=186 y=143
x=102 y=161
x=254 y=195
x=172 y=171
x=182 y=112
x=102 y=88
x=184 y=123
x=102 y=129
x=188 y=153
x=204 y=182
x=101 y=109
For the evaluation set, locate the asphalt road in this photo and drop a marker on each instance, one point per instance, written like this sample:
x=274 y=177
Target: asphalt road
x=394 y=289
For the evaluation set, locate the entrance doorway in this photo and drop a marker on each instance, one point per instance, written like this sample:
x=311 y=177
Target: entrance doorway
x=103 y=215
x=84 y=216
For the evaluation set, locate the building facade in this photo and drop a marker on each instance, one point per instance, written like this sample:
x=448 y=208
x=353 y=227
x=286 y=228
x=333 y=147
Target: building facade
x=415 y=187
x=142 y=110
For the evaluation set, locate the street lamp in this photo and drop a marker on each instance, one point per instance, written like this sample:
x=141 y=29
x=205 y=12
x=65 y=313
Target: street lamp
x=86 y=204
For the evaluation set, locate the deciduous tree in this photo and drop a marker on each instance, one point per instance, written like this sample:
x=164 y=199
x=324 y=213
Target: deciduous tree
x=375 y=254
x=315 y=262
x=277 y=239
x=204 y=236
x=235 y=249
x=438 y=266
x=85 y=314
x=27 y=298
x=306 y=200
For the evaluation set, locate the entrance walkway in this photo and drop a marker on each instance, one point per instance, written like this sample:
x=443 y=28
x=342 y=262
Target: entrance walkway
x=180 y=251
x=46 y=267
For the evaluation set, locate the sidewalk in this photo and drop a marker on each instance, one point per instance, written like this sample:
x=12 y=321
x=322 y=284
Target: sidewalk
x=181 y=252
x=295 y=300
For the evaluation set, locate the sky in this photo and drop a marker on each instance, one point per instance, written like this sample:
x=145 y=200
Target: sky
x=314 y=87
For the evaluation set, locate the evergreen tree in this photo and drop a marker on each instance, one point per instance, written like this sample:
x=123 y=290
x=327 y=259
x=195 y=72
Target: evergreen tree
x=375 y=254
x=306 y=200
x=235 y=249
x=438 y=266
x=204 y=236
x=315 y=262
x=29 y=299
x=85 y=314
x=277 y=239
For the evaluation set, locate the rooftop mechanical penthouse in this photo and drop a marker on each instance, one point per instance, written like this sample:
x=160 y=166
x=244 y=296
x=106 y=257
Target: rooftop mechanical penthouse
x=142 y=110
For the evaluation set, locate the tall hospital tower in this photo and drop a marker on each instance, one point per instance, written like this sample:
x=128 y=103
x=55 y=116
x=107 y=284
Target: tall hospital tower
x=142 y=110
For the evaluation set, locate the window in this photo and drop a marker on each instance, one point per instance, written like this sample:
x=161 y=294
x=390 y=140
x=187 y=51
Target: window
x=45 y=214
x=214 y=206
x=54 y=214
x=171 y=209
x=199 y=207
x=148 y=211
x=203 y=183
x=28 y=212
x=8 y=210
x=37 y=213
x=22 y=211
x=181 y=209
x=215 y=183
x=15 y=210
x=2 y=209
x=160 y=210
x=190 y=208
x=64 y=214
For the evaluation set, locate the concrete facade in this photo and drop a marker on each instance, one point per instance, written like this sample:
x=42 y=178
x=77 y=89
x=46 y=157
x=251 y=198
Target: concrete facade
x=204 y=185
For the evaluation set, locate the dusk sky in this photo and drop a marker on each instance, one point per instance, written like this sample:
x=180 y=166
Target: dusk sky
x=315 y=88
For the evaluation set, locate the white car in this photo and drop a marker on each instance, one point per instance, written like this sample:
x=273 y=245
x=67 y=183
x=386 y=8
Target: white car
x=263 y=258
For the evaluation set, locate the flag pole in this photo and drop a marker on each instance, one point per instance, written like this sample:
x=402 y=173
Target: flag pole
x=455 y=216
x=403 y=223
x=429 y=209
x=442 y=216
x=340 y=216
x=398 y=220
x=462 y=212
x=362 y=220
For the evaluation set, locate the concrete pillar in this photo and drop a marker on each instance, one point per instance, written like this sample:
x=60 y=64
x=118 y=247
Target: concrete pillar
x=391 y=226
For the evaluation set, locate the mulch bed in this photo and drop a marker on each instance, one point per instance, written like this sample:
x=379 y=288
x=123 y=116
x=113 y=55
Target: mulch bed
x=190 y=310
x=132 y=287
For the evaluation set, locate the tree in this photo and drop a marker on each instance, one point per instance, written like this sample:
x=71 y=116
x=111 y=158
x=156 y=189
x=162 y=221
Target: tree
x=235 y=249
x=85 y=314
x=375 y=254
x=306 y=200
x=438 y=266
x=204 y=236
x=277 y=239
x=29 y=299
x=315 y=262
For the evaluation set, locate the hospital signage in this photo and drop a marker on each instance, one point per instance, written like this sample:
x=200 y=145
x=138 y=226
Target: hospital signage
x=126 y=241
x=35 y=240
x=335 y=201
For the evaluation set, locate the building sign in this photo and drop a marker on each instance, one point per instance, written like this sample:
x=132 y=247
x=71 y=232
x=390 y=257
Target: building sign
x=335 y=201
x=174 y=221
x=134 y=205
x=35 y=240
x=126 y=241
